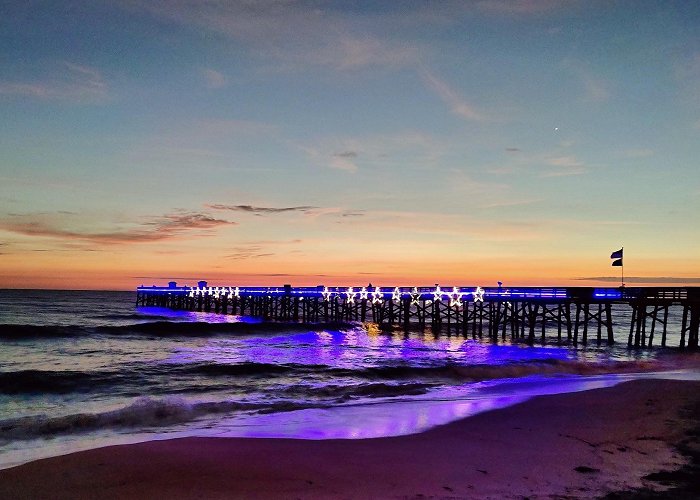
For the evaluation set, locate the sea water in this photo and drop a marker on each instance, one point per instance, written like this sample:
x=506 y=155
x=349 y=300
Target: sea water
x=85 y=369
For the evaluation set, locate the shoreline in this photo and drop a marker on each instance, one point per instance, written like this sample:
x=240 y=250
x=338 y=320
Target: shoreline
x=582 y=444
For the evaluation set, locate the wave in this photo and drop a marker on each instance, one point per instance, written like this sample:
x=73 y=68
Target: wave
x=342 y=393
x=58 y=382
x=161 y=329
x=132 y=316
x=143 y=413
x=167 y=378
x=186 y=328
x=19 y=332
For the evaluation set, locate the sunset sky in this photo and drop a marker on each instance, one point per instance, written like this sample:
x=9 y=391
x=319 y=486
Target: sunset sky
x=313 y=142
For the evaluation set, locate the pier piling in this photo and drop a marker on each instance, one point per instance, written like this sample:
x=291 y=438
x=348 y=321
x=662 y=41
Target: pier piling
x=526 y=312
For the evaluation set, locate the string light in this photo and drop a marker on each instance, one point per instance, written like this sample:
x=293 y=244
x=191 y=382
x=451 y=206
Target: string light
x=415 y=296
x=351 y=295
x=377 y=295
x=437 y=294
x=456 y=297
x=479 y=294
x=326 y=294
x=237 y=292
x=396 y=295
x=364 y=293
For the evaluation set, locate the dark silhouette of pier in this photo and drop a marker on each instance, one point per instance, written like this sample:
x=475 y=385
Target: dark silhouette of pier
x=579 y=314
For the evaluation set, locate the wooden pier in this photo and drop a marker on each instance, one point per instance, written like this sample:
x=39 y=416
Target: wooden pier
x=579 y=315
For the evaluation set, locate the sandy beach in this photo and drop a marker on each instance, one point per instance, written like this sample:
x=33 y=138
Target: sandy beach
x=573 y=445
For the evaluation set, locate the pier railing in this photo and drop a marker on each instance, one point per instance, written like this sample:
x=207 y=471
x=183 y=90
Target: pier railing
x=521 y=313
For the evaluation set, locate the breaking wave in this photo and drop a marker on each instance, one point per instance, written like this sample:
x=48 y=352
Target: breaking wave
x=161 y=328
x=167 y=378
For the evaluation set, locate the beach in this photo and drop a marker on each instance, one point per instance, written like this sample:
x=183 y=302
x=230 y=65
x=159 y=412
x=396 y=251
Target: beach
x=585 y=444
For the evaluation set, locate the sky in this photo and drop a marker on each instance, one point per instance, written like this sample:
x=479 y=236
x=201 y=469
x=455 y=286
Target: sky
x=340 y=143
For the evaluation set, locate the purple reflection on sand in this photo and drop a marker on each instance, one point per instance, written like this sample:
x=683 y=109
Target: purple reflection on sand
x=401 y=417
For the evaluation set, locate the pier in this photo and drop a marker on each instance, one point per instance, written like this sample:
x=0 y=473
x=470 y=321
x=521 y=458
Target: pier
x=579 y=315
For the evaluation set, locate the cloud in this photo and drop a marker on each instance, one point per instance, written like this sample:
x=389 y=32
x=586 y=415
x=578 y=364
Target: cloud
x=637 y=153
x=522 y=7
x=259 y=210
x=289 y=33
x=449 y=96
x=259 y=249
x=69 y=82
x=595 y=88
x=342 y=163
x=513 y=150
x=405 y=149
x=566 y=165
x=642 y=279
x=331 y=160
x=346 y=154
x=169 y=226
x=248 y=252
x=213 y=79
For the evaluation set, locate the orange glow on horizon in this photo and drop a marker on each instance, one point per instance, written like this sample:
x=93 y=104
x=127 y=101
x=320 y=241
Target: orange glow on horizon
x=486 y=272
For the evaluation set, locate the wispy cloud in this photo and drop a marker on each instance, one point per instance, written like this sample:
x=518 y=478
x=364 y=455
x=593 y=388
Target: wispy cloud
x=169 y=226
x=68 y=81
x=213 y=79
x=260 y=249
x=637 y=153
x=330 y=160
x=523 y=7
x=594 y=87
x=346 y=154
x=291 y=34
x=259 y=210
x=563 y=166
x=405 y=149
x=457 y=104
x=248 y=252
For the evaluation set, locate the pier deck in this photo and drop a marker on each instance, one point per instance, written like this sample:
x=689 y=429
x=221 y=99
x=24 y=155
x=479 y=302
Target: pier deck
x=518 y=313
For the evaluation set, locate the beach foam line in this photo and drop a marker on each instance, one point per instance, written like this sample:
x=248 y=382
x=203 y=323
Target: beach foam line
x=411 y=415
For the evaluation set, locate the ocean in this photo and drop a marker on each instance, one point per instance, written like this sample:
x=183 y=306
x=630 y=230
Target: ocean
x=81 y=369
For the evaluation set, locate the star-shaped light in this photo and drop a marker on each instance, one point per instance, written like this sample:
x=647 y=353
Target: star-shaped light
x=415 y=296
x=377 y=295
x=396 y=296
x=237 y=292
x=456 y=297
x=478 y=294
x=437 y=294
x=351 y=295
x=364 y=293
x=326 y=294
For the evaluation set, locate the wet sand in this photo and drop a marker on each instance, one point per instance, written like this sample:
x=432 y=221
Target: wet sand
x=584 y=444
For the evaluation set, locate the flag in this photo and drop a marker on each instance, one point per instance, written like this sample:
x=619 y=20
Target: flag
x=616 y=255
x=617 y=263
